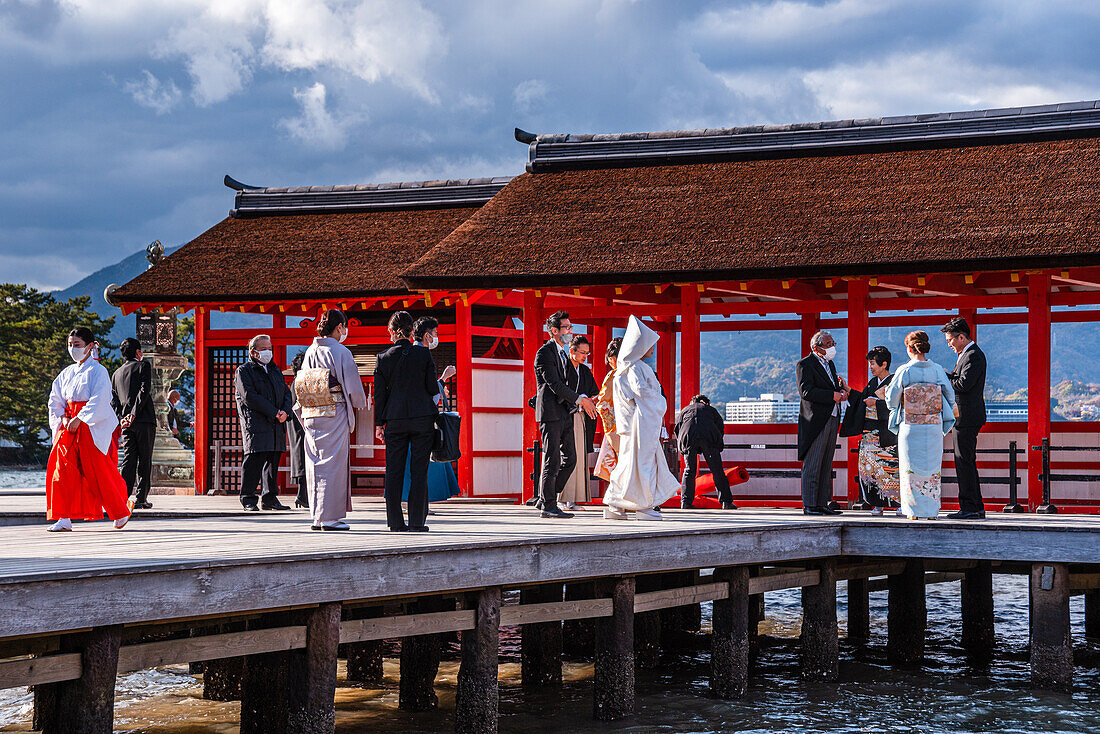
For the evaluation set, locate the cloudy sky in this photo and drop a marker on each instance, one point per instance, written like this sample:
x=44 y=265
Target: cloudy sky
x=119 y=117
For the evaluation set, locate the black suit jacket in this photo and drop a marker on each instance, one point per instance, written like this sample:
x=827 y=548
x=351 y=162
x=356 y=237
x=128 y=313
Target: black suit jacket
x=405 y=383
x=132 y=391
x=557 y=395
x=700 y=427
x=815 y=388
x=968 y=379
x=261 y=393
x=587 y=386
x=855 y=418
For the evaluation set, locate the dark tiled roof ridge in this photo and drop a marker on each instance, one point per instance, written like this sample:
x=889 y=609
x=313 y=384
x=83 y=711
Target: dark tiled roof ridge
x=393 y=185
x=1001 y=112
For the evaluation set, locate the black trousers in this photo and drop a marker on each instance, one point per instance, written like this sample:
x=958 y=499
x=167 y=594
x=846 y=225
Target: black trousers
x=404 y=435
x=559 y=456
x=135 y=450
x=260 y=467
x=965 y=444
x=713 y=458
x=817 y=467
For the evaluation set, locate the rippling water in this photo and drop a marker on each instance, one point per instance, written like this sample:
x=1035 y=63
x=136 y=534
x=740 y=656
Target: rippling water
x=22 y=478
x=945 y=696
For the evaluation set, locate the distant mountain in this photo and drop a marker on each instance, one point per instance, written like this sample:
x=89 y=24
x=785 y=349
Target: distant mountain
x=121 y=272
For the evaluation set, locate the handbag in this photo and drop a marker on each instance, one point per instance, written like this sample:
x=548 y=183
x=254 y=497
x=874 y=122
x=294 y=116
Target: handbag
x=445 y=448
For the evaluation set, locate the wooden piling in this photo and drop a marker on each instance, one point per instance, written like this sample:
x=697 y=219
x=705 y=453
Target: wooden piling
x=907 y=615
x=221 y=678
x=294 y=692
x=613 y=681
x=977 y=613
x=84 y=705
x=1051 y=643
x=820 y=646
x=364 y=659
x=420 y=663
x=579 y=635
x=729 y=651
x=859 y=611
x=648 y=626
x=1092 y=614
x=477 y=698
x=541 y=642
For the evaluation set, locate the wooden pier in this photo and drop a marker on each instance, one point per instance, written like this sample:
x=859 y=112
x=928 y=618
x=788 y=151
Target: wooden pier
x=260 y=598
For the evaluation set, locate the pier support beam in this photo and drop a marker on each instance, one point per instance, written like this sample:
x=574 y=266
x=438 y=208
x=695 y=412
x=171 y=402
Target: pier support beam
x=648 y=626
x=579 y=635
x=859 y=611
x=1051 y=644
x=477 y=698
x=85 y=705
x=364 y=659
x=420 y=664
x=729 y=651
x=907 y=615
x=1092 y=614
x=820 y=646
x=294 y=692
x=613 y=682
x=977 y=613
x=541 y=643
x=221 y=678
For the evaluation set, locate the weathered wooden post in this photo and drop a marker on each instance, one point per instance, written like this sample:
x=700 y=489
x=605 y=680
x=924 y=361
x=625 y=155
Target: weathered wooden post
x=859 y=611
x=907 y=615
x=420 y=664
x=756 y=616
x=613 y=682
x=820 y=646
x=364 y=659
x=295 y=691
x=221 y=678
x=729 y=650
x=85 y=705
x=541 y=642
x=648 y=625
x=579 y=635
x=1092 y=614
x=477 y=698
x=1051 y=644
x=977 y=613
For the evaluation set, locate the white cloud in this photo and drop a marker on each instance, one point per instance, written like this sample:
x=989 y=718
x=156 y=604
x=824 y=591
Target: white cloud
x=315 y=126
x=148 y=91
x=529 y=95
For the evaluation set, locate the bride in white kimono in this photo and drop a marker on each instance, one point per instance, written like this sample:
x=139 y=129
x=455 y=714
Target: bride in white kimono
x=641 y=479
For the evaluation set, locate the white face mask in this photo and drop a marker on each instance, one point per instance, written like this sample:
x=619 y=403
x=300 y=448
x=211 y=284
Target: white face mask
x=77 y=353
x=264 y=356
x=830 y=353
x=432 y=341
x=343 y=335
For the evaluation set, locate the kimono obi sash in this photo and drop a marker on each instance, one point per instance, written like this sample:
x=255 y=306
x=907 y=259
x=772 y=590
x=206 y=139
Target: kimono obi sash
x=73 y=407
x=923 y=404
x=317 y=392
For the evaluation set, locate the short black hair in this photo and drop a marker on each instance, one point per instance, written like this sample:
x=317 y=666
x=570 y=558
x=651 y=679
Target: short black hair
x=329 y=320
x=613 y=347
x=553 y=321
x=401 y=323
x=129 y=347
x=296 y=363
x=577 y=340
x=423 y=325
x=700 y=399
x=880 y=354
x=957 y=325
x=84 y=334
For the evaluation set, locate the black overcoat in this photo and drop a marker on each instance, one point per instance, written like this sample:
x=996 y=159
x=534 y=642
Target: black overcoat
x=261 y=394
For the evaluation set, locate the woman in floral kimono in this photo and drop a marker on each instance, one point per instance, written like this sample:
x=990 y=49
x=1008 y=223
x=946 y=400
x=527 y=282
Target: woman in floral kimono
x=609 y=447
x=868 y=417
x=921 y=403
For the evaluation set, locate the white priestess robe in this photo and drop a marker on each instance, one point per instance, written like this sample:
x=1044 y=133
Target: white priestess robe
x=78 y=383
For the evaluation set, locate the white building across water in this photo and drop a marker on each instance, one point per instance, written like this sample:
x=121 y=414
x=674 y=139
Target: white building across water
x=768 y=408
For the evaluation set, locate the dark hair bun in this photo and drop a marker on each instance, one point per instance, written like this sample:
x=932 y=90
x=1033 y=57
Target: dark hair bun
x=918 y=342
x=329 y=321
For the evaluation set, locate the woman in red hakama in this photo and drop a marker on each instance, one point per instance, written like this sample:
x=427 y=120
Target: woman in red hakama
x=82 y=477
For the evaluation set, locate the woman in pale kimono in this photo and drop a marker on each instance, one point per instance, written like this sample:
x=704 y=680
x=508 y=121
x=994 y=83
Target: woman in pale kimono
x=609 y=447
x=82 y=477
x=921 y=402
x=641 y=480
x=328 y=391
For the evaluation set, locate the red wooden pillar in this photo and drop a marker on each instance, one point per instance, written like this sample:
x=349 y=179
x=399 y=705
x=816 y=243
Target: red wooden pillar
x=464 y=346
x=858 y=335
x=600 y=335
x=689 y=342
x=532 y=340
x=809 y=328
x=1038 y=381
x=666 y=363
x=278 y=356
x=971 y=316
x=202 y=402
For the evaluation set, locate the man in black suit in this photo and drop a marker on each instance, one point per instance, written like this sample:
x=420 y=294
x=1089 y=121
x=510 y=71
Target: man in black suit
x=555 y=402
x=968 y=379
x=405 y=385
x=821 y=390
x=263 y=406
x=132 y=400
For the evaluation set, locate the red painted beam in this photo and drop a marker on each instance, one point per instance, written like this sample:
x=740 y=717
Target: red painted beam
x=464 y=363
x=689 y=343
x=1038 y=380
x=202 y=402
x=858 y=335
x=532 y=340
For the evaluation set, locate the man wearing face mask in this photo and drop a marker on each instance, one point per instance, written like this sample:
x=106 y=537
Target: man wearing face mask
x=822 y=391
x=263 y=405
x=555 y=402
x=132 y=399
